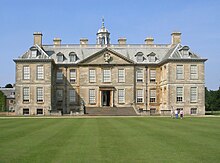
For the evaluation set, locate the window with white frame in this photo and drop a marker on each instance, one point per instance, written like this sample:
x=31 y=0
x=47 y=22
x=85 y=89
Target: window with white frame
x=59 y=95
x=179 y=72
x=92 y=96
x=40 y=72
x=193 y=72
x=121 y=96
x=152 y=58
x=26 y=72
x=72 y=95
x=40 y=94
x=92 y=75
x=139 y=75
x=193 y=94
x=34 y=53
x=73 y=75
x=121 y=75
x=60 y=58
x=140 y=58
x=179 y=94
x=193 y=111
x=140 y=96
x=152 y=75
x=73 y=57
x=59 y=75
x=106 y=75
x=152 y=95
x=26 y=94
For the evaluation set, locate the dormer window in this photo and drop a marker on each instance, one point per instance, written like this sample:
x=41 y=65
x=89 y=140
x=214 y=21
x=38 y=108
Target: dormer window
x=151 y=57
x=185 y=51
x=73 y=57
x=33 y=52
x=140 y=57
x=60 y=57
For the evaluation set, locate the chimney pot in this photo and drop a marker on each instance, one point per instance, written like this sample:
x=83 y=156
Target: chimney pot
x=56 y=41
x=149 y=41
x=122 y=41
x=84 y=41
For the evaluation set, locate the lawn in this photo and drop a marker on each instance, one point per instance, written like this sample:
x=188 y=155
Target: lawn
x=141 y=139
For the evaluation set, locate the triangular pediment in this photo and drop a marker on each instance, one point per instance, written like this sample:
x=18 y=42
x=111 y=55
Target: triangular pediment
x=107 y=56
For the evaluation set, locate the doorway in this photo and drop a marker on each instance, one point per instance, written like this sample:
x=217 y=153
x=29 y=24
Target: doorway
x=105 y=98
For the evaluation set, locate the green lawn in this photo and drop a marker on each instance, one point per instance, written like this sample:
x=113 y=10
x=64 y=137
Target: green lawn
x=141 y=139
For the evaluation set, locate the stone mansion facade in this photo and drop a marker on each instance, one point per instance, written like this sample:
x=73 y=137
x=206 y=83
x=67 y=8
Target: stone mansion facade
x=150 y=78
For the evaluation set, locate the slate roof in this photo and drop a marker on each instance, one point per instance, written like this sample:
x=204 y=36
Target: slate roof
x=163 y=52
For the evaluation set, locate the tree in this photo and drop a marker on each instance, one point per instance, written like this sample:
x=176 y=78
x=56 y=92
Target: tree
x=2 y=101
x=212 y=100
x=8 y=86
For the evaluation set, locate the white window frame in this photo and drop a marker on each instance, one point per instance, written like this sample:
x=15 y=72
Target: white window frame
x=26 y=94
x=40 y=94
x=121 y=75
x=34 y=54
x=92 y=96
x=152 y=74
x=73 y=57
x=73 y=74
x=26 y=72
x=193 y=72
x=179 y=94
x=107 y=75
x=140 y=75
x=72 y=96
x=40 y=72
x=92 y=75
x=179 y=72
x=140 y=58
x=153 y=93
x=121 y=96
x=193 y=94
x=140 y=96
x=60 y=58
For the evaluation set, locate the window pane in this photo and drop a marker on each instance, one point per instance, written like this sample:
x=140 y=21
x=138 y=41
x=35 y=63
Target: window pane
x=193 y=72
x=26 y=95
x=193 y=94
x=59 y=75
x=59 y=95
x=40 y=94
x=106 y=75
x=179 y=94
x=139 y=74
x=92 y=76
x=152 y=76
x=139 y=96
x=72 y=94
x=92 y=96
x=40 y=72
x=121 y=75
x=121 y=96
x=153 y=95
x=73 y=75
x=179 y=72
x=26 y=72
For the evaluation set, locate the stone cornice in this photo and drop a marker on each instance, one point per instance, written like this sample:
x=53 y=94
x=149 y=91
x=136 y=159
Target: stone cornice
x=32 y=60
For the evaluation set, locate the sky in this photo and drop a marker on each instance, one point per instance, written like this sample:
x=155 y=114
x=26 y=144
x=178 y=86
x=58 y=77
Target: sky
x=70 y=20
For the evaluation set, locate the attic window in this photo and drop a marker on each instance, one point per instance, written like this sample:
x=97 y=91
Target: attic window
x=60 y=57
x=33 y=53
x=73 y=57
x=152 y=57
x=140 y=57
x=185 y=51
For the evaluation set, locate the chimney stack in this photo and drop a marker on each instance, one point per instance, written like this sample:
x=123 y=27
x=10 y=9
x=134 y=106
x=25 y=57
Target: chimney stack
x=149 y=41
x=56 y=41
x=176 y=38
x=122 y=41
x=38 y=38
x=84 y=42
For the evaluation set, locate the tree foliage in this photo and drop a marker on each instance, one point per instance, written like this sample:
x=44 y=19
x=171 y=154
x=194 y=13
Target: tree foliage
x=212 y=99
x=2 y=101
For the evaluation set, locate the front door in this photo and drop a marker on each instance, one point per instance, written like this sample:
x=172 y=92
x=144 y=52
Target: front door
x=105 y=98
